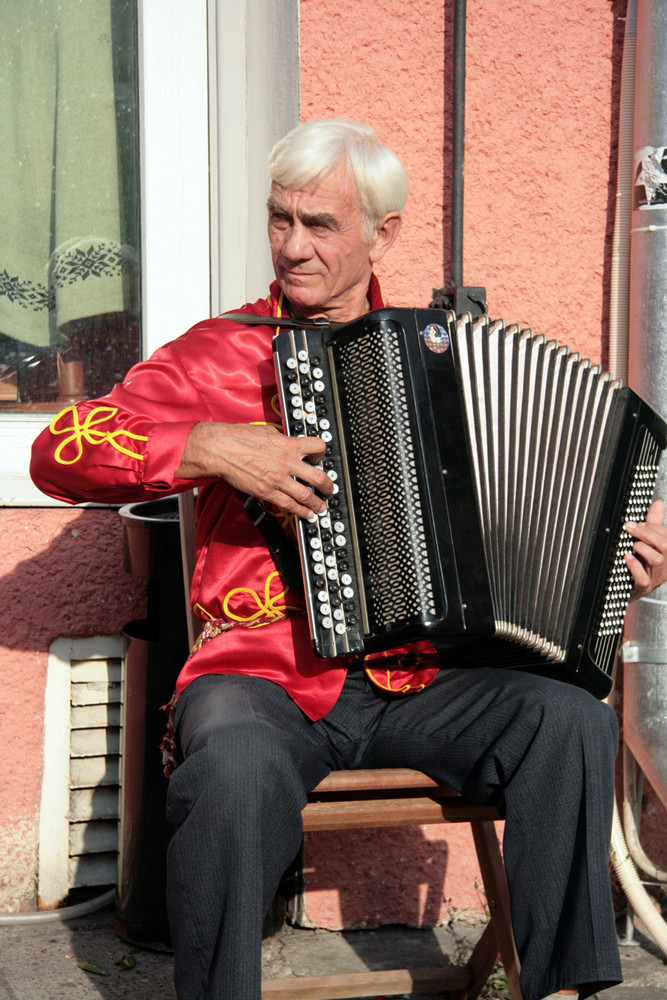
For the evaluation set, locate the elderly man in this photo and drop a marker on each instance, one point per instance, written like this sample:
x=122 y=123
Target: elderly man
x=259 y=720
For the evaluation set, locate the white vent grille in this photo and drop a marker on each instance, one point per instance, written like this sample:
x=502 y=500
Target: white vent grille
x=78 y=843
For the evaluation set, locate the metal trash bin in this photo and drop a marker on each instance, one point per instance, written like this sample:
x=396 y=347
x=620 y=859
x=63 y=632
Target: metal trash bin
x=157 y=647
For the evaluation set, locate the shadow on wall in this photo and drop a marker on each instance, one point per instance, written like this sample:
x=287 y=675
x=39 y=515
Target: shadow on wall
x=63 y=573
x=368 y=878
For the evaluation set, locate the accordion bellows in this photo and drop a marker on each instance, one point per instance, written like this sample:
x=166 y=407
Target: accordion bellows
x=483 y=476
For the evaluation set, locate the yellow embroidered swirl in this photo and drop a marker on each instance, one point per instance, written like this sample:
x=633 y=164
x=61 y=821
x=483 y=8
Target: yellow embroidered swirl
x=88 y=432
x=267 y=606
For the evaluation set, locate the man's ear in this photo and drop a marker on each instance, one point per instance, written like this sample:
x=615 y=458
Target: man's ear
x=384 y=235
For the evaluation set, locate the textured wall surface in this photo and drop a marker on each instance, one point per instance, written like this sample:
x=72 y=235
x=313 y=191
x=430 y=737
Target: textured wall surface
x=61 y=574
x=541 y=118
x=385 y=64
x=540 y=121
x=542 y=83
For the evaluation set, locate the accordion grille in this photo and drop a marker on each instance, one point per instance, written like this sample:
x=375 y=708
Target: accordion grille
x=383 y=466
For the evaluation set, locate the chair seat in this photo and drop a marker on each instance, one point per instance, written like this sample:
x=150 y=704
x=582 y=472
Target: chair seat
x=348 y=800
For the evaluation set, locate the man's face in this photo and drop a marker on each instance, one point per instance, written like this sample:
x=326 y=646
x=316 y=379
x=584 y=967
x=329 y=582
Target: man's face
x=320 y=257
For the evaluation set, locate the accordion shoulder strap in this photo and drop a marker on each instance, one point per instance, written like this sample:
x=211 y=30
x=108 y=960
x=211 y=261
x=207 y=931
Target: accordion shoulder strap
x=285 y=322
x=284 y=553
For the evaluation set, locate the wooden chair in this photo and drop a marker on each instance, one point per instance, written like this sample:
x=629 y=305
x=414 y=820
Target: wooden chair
x=387 y=797
x=394 y=797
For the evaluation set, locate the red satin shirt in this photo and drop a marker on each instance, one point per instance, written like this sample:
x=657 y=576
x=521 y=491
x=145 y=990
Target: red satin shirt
x=126 y=447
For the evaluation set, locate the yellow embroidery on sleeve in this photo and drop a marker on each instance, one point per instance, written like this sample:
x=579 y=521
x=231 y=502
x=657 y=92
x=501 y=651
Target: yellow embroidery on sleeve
x=87 y=432
x=267 y=606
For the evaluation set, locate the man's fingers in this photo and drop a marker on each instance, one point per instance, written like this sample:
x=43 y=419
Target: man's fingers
x=656 y=513
x=309 y=451
x=309 y=445
x=648 y=560
x=302 y=503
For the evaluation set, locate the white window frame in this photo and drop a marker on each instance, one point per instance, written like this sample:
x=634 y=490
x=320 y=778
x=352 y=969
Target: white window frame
x=173 y=103
x=218 y=85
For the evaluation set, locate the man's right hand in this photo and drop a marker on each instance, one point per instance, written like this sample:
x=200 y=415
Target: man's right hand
x=260 y=460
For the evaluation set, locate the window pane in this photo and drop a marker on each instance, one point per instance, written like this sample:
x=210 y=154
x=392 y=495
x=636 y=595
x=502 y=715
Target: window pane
x=69 y=200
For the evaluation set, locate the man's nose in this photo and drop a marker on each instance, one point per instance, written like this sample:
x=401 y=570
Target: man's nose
x=298 y=244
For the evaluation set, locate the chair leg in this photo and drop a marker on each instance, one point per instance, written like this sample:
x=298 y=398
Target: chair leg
x=500 y=924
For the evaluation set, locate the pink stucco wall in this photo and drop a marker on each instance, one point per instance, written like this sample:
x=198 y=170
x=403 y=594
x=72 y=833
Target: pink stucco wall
x=542 y=84
x=540 y=132
x=61 y=574
x=541 y=118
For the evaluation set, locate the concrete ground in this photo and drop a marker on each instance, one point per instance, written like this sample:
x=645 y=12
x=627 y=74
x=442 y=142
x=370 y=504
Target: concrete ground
x=44 y=961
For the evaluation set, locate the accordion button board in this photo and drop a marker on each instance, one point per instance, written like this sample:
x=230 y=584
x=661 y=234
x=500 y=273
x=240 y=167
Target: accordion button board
x=332 y=586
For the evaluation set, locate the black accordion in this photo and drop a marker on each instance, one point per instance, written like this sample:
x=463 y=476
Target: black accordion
x=483 y=476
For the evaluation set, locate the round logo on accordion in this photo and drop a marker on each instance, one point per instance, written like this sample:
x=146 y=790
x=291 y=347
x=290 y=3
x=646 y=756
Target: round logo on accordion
x=435 y=337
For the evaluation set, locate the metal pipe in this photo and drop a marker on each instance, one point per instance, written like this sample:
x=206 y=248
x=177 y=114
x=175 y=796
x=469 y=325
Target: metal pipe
x=645 y=652
x=619 y=293
x=64 y=913
x=458 y=142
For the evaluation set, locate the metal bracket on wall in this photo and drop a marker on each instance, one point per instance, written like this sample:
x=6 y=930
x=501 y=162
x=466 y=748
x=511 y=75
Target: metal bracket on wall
x=461 y=299
x=631 y=652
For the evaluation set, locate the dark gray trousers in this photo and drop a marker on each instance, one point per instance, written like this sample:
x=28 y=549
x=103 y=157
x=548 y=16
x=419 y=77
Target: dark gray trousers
x=540 y=750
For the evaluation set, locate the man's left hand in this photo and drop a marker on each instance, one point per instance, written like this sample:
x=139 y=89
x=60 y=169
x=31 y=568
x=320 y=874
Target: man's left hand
x=648 y=560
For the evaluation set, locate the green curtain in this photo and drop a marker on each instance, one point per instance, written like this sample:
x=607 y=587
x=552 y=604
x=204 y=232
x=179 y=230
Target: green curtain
x=62 y=256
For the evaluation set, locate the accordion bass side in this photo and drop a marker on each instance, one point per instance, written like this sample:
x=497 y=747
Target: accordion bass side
x=483 y=476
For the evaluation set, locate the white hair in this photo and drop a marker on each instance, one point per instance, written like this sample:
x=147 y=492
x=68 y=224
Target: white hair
x=314 y=148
